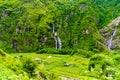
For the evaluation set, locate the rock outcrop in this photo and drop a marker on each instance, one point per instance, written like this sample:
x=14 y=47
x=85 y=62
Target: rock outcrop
x=111 y=34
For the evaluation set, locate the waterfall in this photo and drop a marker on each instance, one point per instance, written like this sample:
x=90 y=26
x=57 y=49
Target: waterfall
x=53 y=29
x=14 y=45
x=111 y=38
x=55 y=37
x=58 y=44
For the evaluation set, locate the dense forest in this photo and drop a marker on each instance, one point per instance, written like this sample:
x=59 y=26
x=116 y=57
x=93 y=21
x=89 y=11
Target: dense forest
x=86 y=28
x=27 y=25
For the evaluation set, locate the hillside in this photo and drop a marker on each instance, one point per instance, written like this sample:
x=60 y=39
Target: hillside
x=27 y=25
x=111 y=34
x=59 y=39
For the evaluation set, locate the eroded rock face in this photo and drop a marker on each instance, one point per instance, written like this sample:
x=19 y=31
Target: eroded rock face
x=115 y=22
x=83 y=7
x=4 y=14
x=111 y=34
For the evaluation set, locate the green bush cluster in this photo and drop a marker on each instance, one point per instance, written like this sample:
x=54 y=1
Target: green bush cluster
x=71 y=52
x=12 y=70
x=47 y=50
x=84 y=53
x=6 y=47
x=45 y=75
x=15 y=66
x=54 y=51
x=117 y=59
x=2 y=53
x=10 y=62
x=102 y=64
x=28 y=65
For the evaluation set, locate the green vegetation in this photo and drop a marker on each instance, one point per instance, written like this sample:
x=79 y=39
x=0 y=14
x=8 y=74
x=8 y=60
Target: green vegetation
x=25 y=26
x=59 y=39
x=77 y=66
x=56 y=66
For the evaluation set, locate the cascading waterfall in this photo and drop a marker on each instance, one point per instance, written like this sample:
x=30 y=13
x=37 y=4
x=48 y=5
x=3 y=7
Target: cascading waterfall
x=111 y=38
x=58 y=43
x=111 y=26
x=53 y=29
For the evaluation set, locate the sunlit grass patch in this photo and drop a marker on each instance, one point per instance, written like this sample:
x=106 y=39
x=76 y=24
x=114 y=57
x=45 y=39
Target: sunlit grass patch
x=73 y=65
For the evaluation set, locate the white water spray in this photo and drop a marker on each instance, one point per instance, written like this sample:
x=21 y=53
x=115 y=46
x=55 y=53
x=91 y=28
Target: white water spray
x=111 y=38
x=58 y=44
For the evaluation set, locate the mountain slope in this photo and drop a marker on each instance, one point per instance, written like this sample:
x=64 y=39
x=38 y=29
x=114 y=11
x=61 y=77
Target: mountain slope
x=27 y=25
x=111 y=34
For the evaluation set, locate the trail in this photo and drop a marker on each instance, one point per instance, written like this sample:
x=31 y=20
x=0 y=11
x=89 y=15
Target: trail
x=65 y=77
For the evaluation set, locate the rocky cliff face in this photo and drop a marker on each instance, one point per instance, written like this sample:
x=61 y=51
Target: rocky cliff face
x=111 y=34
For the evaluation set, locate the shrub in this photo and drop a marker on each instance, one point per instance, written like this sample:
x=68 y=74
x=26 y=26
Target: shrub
x=54 y=51
x=102 y=62
x=10 y=62
x=117 y=59
x=101 y=59
x=65 y=51
x=29 y=65
x=14 y=65
x=47 y=50
x=52 y=76
x=2 y=53
x=42 y=72
x=84 y=53
x=45 y=75
x=71 y=52
x=6 y=47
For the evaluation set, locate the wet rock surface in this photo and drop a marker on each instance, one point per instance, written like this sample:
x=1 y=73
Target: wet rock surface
x=111 y=34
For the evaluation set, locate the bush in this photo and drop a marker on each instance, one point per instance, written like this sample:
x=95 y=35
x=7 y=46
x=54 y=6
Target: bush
x=14 y=65
x=2 y=53
x=117 y=59
x=84 y=53
x=101 y=59
x=102 y=62
x=6 y=47
x=52 y=76
x=65 y=51
x=47 y=50
x=54 y=51
x=71 y=52
x=42 y=71
x=10 y=62
x=45 y=75
x=29 y=65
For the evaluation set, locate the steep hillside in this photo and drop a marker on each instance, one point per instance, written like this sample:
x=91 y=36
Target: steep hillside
x=34 y=25
x=11 y=68
x=111 y=34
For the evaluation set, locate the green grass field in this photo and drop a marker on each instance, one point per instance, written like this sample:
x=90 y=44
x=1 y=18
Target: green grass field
x=56 y=66
x=73 y=66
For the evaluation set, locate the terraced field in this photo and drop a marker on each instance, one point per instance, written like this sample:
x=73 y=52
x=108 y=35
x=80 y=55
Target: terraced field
x=66 y=66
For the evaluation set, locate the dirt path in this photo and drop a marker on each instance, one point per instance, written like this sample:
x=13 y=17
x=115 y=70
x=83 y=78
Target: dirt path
x=65 y=77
